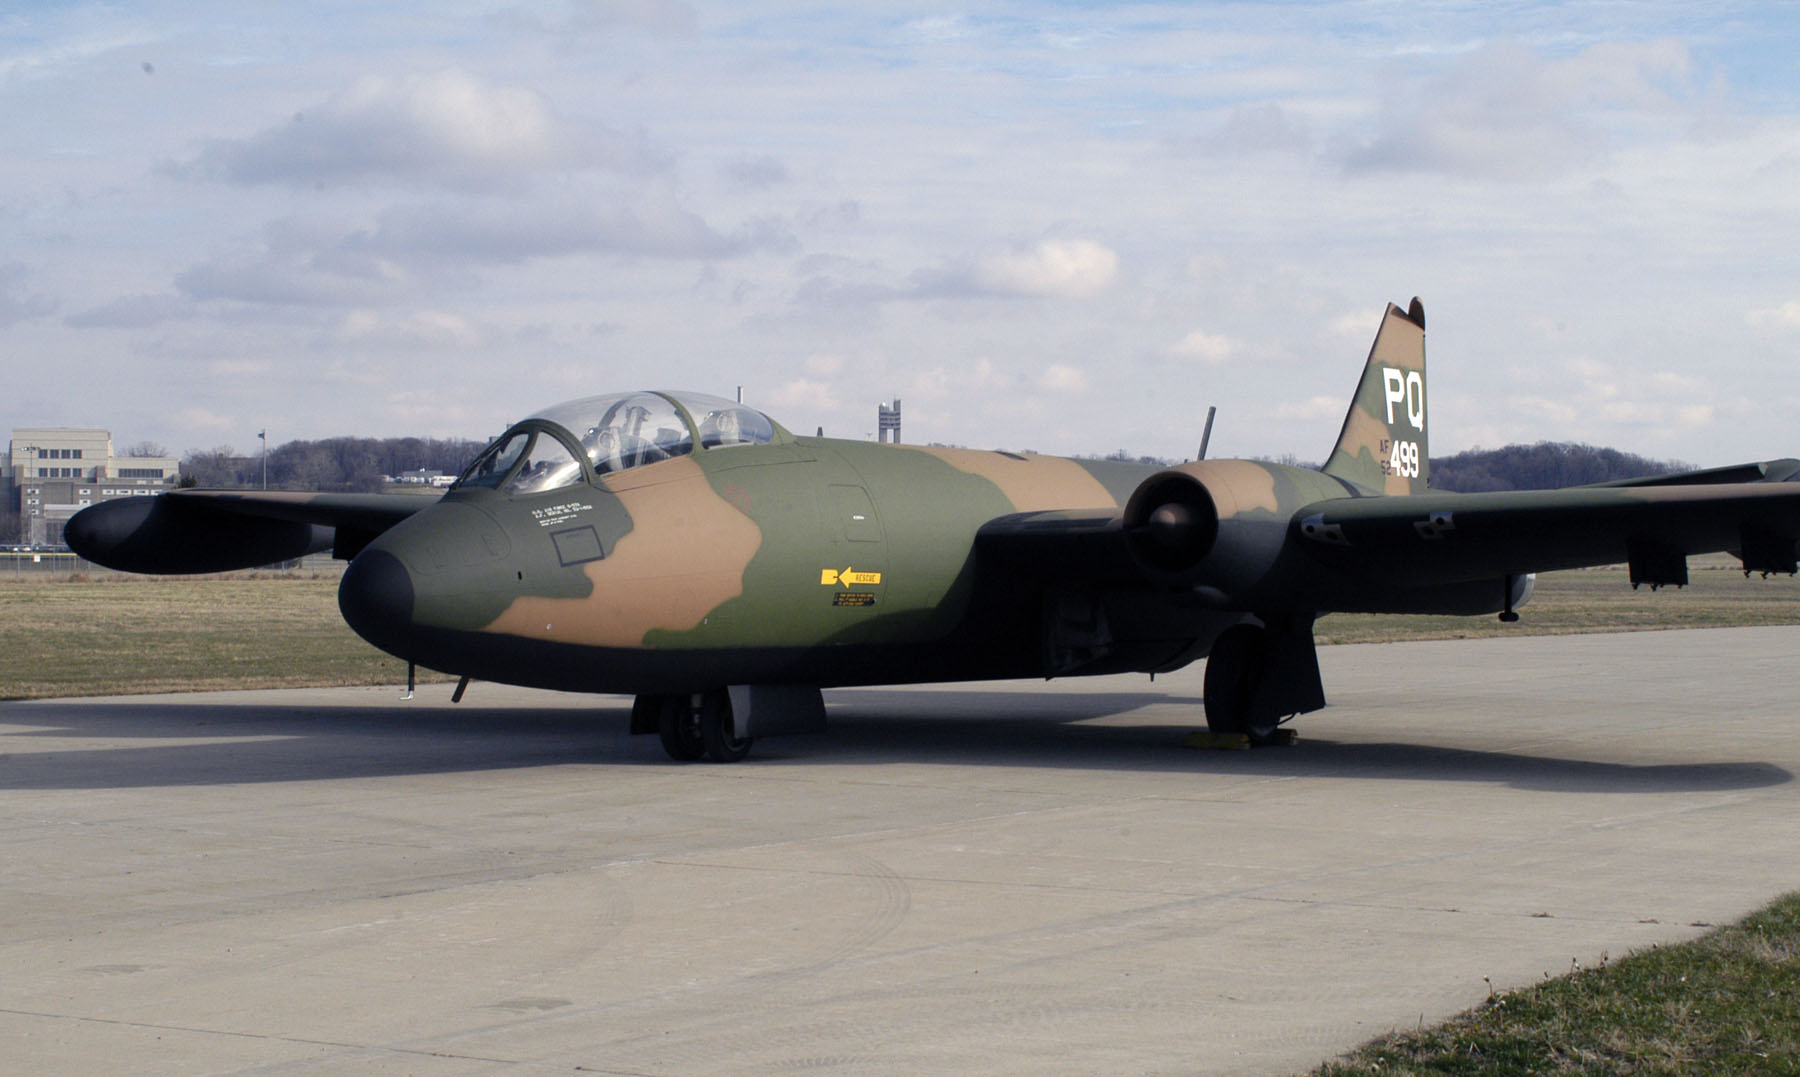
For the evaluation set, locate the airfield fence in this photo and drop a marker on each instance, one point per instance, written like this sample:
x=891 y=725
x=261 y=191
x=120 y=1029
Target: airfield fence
x=37 y=564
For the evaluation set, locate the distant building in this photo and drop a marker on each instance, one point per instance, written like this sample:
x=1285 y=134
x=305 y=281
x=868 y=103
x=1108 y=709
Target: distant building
x=422 y=477
x=54 y=472
x=887 y=421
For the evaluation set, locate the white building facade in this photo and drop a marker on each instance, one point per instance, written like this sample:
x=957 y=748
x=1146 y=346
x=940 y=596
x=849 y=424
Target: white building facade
x=54 y=472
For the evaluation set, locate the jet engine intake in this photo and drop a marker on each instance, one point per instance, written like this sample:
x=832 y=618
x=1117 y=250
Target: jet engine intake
x=1171 y=523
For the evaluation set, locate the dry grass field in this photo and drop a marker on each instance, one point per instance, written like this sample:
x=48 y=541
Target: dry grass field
x=1599 y=600
x=111 y=634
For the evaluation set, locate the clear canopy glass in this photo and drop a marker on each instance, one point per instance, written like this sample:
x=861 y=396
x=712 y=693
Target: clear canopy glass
x=625 y=430
x=615 y=433
x=722 y=423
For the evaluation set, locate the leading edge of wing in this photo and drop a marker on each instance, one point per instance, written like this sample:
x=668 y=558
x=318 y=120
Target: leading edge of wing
x=193 y=531
x=374 y=513
x=1441 y=538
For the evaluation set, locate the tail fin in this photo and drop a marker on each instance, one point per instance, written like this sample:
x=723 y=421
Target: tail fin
x=1382 y=446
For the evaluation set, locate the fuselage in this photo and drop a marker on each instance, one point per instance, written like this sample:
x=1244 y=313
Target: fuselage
x=808 y=560
x=668 y=543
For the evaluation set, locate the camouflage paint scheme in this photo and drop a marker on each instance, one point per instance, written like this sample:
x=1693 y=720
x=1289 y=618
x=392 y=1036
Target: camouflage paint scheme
x=820 y=562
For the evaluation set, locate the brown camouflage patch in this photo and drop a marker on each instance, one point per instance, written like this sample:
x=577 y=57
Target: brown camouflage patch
x=1031 y=483
x=1237 y=486
x=685 y=556
x=1400 y=342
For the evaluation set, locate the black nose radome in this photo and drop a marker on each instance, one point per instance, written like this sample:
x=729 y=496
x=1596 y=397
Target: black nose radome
x=376 y=599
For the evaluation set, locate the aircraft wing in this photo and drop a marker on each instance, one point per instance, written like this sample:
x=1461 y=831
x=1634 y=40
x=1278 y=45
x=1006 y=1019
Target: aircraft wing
x=1385 y=552
x=1783 y=470
x=188 y=531
x=1445 y=538
x=1063 y=544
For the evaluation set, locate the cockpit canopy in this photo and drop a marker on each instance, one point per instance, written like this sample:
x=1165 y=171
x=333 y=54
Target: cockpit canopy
x=597 y=435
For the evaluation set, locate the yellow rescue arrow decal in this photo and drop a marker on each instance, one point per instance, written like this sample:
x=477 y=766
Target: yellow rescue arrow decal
x=849 y=577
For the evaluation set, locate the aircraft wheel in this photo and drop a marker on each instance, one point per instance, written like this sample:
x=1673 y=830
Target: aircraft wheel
x=678 y=723
x=1234 y=669
x=718 y=730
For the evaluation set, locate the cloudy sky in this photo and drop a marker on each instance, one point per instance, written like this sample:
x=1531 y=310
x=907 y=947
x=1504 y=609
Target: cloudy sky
x=1066 y=227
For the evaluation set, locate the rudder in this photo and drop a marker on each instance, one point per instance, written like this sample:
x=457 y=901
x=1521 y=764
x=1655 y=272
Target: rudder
x=1382 y=446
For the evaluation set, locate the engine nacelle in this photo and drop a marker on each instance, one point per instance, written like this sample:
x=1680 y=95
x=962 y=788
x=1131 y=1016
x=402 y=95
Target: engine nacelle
x=1217 y=525
x=1171 y=523
x=164 y=536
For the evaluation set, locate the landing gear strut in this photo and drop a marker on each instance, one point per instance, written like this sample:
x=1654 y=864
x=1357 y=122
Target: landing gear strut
x=1258 y=676
x=692 y=726
x=1234 y=671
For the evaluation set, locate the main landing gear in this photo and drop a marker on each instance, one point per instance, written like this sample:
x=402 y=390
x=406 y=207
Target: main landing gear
x=1256 y=678
x=692 y=726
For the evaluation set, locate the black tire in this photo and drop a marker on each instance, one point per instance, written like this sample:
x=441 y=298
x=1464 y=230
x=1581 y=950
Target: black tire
x=718 y=729
x=678 y=724
x=1234 y=669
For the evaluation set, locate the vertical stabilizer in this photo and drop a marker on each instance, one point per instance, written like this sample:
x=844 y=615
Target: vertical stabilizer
x=1383 y=446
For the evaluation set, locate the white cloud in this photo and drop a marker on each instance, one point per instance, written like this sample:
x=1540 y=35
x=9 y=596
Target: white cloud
x=1057 y=269
x=1360 y=325
x=1508 y=111
x=17 y=300
x=1695 y=416
x=1313 y=408
x=1204 y=346
x=968 y=379
x=449 y=128
x=1261 y=128
x=756 y=173
x=734 y=192
x=654 y=225
x=585 y=18
x=297 y=267
x=412 y=250
x=1786 y=316
x=824 y=365
x=431 y=329
x=1059 y=378
x=239 y=368
x=208 y=421
x=132 y=312
x=806 y=393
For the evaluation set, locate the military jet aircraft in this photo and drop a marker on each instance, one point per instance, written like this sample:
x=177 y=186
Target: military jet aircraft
x=694 y=553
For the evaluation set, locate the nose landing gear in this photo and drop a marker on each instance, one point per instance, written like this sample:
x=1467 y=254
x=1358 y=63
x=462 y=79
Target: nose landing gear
x=692 y=726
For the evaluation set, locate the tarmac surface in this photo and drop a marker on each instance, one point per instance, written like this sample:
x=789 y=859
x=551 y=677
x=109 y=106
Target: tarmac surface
x=1016 y=877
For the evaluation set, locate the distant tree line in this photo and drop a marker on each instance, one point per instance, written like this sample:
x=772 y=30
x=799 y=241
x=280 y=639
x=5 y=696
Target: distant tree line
x=1544 y=466
x=336 y=464
x=358 y=464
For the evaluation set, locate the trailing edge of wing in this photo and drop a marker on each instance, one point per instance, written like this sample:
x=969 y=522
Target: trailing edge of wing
x=1446 y=538
x=1784 y=470
x=189 y=531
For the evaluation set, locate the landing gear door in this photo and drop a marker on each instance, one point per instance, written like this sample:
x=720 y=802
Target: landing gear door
x=856 y=517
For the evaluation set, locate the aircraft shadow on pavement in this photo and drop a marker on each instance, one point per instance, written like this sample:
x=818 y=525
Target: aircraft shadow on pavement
x=236 y=743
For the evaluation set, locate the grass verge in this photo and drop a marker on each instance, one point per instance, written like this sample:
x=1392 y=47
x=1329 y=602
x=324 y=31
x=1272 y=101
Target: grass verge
x=75 y=636
x=111 y=634
x=1726 y=1003
x=1597 y=600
